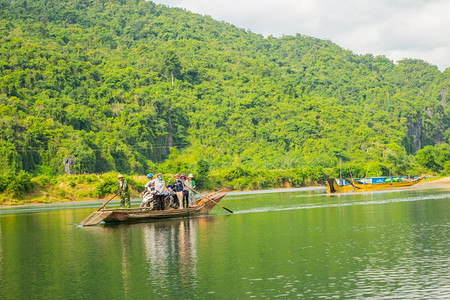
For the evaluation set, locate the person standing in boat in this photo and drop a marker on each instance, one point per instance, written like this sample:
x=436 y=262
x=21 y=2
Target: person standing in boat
x=191 y=186
x=178 y=188
x=183 y=179
x=123 y=192
x=149 y=191
x=160 y=185
x=150 y=185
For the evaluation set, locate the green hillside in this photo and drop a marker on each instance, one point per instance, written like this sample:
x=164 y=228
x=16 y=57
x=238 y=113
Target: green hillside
x=135 y=87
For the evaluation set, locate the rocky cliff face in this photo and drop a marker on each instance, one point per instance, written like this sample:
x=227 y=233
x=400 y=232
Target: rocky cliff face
x=423 y=131
x=415 y=135
x=444 y=93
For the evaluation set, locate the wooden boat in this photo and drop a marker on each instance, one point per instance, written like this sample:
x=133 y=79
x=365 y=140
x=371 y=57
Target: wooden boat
x=338 y=185
x=369 y=183
x=390 y=182
x=204 y=206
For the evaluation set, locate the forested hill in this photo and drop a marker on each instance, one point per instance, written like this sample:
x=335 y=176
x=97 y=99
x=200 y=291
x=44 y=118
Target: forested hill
x=117 y=84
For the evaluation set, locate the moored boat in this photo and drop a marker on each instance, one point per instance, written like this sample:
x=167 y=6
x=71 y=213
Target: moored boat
x=381 y=183
x=204 y=206
x=369 y=183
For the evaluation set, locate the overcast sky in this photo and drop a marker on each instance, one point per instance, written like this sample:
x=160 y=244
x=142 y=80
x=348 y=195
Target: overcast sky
x=394 y=28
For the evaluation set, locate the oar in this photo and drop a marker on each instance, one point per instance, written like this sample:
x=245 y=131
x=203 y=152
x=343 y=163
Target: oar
x=104 y=204
x=217 y=203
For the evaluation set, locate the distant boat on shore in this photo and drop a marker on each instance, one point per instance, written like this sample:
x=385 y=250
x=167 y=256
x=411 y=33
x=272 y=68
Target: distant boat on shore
x=369 y=183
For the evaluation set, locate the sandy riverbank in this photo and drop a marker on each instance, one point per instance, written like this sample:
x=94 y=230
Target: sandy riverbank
x=441 y=182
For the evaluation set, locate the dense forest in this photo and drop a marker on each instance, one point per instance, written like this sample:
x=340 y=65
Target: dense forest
x=134 y=87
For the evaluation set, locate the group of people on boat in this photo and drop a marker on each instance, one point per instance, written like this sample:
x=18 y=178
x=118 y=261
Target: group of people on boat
x=159 y=196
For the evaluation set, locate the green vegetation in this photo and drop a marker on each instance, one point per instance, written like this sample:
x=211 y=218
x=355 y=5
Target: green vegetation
x=134 y=87
x=63 y=188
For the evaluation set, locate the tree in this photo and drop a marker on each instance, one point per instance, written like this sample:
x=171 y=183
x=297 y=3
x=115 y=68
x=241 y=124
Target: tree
x=272 y=104
x=427 y=157
x=171 y=65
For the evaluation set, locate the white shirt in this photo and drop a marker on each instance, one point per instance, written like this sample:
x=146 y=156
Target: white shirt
x=160 y=185
x=150 y=186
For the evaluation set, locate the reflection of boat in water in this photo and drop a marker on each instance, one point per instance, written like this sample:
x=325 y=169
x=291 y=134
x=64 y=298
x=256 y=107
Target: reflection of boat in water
x=369 y=183
x=171 y=252
x=205 y=205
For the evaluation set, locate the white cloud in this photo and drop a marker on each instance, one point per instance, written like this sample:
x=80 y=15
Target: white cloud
x=395 y=28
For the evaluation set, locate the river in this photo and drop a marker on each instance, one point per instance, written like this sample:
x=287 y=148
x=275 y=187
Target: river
x=297 y=243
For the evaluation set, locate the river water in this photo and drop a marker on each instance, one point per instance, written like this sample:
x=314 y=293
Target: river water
x=298 y=243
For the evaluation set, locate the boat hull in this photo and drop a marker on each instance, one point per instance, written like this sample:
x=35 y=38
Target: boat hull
x=352 y=185
x=145 y=214
x=333 y=186
x=383 y=186
x=133 y=215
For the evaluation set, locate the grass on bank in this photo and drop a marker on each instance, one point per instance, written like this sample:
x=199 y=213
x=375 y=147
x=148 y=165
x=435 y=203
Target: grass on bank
x=24 y=189
x=67 y=188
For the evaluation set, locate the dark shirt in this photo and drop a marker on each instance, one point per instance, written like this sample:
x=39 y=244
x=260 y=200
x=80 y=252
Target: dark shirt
x=178 y=186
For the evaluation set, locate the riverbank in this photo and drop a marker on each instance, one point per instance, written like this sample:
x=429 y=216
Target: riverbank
x=72 y=188
x=437 y=182
x=45 y=189
x=80 y=188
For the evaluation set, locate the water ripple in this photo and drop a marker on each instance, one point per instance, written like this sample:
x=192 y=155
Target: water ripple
x=343 y=204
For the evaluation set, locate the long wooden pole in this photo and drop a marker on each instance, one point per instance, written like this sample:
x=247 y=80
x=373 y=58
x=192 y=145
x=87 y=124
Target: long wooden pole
x=104 y=204
x=217 y=203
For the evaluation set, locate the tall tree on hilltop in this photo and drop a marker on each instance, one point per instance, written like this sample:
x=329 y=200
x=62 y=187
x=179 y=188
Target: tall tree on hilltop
x=171 y=65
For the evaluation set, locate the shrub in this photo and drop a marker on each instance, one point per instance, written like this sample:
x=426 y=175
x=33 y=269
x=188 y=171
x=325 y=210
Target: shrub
x=45 y=170
x=81 y=179
x=447 y=168
x=91 y=178
x=4 y=182
x=19 y=185
x=43 y=181
x=107 y=186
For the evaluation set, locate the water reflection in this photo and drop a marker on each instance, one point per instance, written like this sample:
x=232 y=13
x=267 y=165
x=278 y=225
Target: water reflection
x=162 y=254
x=124 y=239
x=157 y=238
x=170 y=251
x=1 y=257
x=171 y=244
x=291 y=245
x=187 y=236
